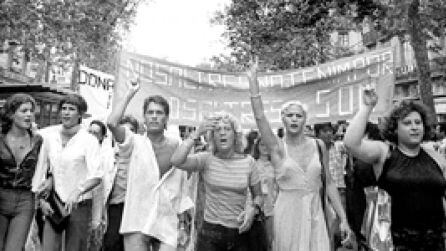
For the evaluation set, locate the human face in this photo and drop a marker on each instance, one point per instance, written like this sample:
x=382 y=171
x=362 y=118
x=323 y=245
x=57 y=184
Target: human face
x=96 y=131
x=293 y=119
x=130 y=127
x=326 y=135
x=410 y=130
x=263 y=150
x=23 y=116
x=70 y=115
x=224 y=136
x=155 y=118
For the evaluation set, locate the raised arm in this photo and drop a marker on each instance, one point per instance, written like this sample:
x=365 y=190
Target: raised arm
x=268 y=136
x=369 y=151
x=118 y=111
x=181 y=158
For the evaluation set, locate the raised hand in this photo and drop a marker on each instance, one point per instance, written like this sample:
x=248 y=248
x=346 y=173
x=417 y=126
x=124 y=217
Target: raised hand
x=369 y=97
x=133 y=86
x=208 y=124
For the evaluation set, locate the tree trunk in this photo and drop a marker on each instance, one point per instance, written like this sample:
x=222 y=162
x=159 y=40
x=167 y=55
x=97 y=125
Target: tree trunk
x=75 y=74
x=419 y=45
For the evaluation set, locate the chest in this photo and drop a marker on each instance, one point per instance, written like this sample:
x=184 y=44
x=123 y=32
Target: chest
x=228 y=176
x=302 y=154
x=163 y=155
x=70 y=152
x=420 y=173
x=16 y=149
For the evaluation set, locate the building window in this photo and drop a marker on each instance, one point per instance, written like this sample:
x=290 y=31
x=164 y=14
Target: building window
x=343 y=39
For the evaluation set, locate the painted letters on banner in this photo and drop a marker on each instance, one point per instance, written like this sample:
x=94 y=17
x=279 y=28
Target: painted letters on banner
x=332 y=91
x=97 y=89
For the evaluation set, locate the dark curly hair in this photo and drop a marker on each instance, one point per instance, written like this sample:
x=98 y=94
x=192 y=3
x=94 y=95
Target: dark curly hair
x=401 y=111
x=10 y=107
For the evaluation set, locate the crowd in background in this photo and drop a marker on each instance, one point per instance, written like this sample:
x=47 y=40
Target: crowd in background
x=117 y=185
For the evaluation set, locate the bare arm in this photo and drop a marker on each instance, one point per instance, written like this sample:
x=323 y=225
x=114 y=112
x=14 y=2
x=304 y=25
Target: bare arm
x=333 y=194
x=257 y=196
x=368 y=151
x=118 y=111
x=268 y=136
x=330 y=186
x=181 y=158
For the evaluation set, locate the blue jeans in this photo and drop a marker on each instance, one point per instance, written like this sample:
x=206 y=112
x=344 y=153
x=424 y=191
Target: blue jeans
x=77 y=230
x=214 y=237
x=16 y=214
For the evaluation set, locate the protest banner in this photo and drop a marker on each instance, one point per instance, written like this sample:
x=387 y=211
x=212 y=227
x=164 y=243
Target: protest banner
x=97 y=89
x=332 y=91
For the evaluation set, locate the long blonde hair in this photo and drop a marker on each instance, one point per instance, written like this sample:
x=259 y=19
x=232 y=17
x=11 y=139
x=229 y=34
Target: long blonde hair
x=239 y=144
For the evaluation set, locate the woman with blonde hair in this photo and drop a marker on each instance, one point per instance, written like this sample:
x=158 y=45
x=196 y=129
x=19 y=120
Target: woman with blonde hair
x=299 y=223
x=227 y=174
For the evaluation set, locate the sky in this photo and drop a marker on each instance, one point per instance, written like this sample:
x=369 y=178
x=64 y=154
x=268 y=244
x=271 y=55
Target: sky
x=178 y=30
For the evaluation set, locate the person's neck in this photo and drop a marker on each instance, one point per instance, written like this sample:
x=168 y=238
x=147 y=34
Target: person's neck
x=70 y=131
x=225 y=154
x=328 y=144
x=156 y=137
x=294 y=139
x=17 y=132
x=410 y=150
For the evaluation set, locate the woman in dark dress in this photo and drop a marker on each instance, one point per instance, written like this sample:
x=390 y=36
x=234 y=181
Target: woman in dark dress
x=410 y=173
x=19 y=151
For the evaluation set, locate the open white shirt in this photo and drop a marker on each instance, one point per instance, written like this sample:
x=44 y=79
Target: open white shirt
x=73 y=164
x=151 y=204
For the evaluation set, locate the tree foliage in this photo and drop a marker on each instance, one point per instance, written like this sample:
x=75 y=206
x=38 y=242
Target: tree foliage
x=283 y=34
x=422 y=20
x=67 y=31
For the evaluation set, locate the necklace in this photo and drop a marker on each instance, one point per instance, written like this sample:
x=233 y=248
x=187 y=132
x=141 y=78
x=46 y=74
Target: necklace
x=18 y=142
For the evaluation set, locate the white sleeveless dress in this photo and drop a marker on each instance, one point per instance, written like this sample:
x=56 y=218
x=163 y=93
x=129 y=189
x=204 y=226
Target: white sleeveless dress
x=299 y=222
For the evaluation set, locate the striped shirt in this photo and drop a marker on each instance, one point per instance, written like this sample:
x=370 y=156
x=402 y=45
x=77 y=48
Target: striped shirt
x=226 y=183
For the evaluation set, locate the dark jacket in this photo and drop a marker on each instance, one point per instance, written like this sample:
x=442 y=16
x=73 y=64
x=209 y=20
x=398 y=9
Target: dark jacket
x=18 y=175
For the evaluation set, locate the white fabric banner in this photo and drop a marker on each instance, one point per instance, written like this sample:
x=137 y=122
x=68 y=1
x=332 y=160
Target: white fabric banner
x=97 y=89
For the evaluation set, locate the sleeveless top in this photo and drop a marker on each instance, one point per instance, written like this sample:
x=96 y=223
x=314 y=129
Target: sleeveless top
x=416 y=186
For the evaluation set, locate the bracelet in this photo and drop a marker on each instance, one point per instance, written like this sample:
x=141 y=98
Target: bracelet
x=257 y=95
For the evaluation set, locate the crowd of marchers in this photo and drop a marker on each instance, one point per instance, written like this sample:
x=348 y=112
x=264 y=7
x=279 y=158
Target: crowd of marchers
x=112 y=185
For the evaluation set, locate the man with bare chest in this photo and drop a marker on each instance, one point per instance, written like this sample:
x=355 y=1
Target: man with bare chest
x=154 y=195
